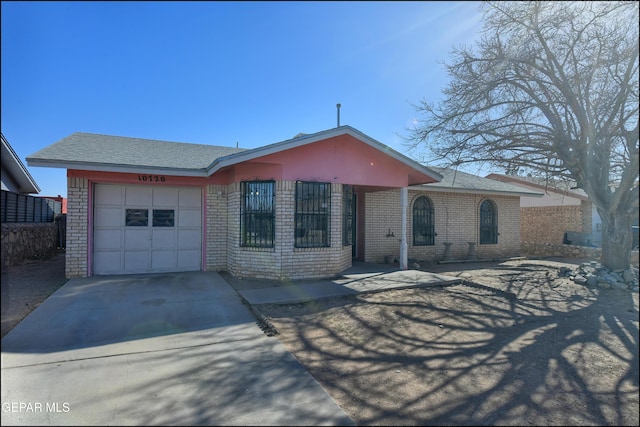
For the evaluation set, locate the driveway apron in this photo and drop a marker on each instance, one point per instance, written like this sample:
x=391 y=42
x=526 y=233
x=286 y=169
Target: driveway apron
x=158 y=349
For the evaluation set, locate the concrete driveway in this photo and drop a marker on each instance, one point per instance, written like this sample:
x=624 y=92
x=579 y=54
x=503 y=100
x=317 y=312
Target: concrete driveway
x=161 y=349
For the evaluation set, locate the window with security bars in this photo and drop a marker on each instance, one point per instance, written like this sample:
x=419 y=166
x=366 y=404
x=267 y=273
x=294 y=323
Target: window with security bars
x=423 y=222
x=347 y=215
x=312 y=217
x=488 y=223
x=257 y=214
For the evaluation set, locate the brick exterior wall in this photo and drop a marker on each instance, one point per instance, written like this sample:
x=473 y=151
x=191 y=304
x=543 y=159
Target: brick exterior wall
x=547 y=224
x=456 y=220
x=284 y=261
x=77 y=228
x=587 y=213
x=216 y=227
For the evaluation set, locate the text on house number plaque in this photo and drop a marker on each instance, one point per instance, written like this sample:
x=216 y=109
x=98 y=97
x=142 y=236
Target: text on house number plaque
x=151 y=178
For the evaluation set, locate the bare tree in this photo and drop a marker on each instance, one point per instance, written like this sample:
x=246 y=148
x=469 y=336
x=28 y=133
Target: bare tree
x=551 y=88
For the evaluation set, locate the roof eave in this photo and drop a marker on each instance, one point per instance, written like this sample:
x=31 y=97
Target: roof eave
x=440 y=189
x=100 y=167
x=546 y=189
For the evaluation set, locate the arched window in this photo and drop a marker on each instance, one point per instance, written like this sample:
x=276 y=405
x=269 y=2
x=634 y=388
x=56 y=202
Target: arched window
x=488 y=223
x=423 y=223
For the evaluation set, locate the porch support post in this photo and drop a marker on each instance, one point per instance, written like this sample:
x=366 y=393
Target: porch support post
x=403 y=241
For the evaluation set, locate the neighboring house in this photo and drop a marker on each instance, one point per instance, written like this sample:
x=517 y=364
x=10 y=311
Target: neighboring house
x=301 y=208
x=28 y=228
x=15 y=176
x=17 y=186
x=560 y=210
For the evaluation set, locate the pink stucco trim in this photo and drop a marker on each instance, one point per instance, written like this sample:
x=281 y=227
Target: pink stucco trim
x=342 y=159
x=140 y=179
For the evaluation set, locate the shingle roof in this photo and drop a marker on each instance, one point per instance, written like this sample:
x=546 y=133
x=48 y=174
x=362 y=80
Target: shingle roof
x=88 y=149
x=458 y=181
x=544 y=185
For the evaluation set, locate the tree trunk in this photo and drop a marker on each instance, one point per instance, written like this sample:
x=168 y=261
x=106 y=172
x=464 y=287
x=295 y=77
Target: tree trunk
x=617 y=239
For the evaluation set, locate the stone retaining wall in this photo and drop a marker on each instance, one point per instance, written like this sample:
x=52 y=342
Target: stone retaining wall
x=534 y=249
x=24 y=241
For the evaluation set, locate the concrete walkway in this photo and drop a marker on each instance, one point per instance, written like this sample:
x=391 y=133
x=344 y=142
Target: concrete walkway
x=361 y=278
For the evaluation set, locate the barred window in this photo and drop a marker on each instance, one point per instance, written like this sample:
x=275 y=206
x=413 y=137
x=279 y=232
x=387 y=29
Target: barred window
x=488 y=223
x=257 y=214
x=347 y=215
x=423 y=223
x=313 y=210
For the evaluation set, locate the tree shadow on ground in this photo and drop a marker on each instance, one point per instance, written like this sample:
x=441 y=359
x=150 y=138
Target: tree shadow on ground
x=513 y=347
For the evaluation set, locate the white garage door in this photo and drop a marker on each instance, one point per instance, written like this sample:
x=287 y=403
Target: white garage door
x=146 y=229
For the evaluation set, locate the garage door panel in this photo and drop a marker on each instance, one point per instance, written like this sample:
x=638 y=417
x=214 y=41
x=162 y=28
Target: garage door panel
x=189 y=259
x=165 y=197
x=137 y=196
x=164 y=239
x=163 y=260
x=109 y=239
x=188 y=239
x=137 y=239
x=189 y=218
x=107 y=262
x=108 y=216
x=108 y=195
x=190 y=197
x=136 y=262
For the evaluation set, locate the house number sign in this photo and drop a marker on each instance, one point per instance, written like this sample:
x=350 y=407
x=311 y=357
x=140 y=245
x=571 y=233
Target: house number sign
x=151 y=178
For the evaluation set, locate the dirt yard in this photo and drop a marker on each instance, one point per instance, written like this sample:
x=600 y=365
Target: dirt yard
x=26 y=286
x=517 y=346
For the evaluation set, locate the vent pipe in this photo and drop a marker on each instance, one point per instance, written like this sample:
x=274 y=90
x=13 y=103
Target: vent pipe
x=338 y=106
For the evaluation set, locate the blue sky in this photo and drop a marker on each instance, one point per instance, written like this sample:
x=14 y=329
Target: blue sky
x=220 y=73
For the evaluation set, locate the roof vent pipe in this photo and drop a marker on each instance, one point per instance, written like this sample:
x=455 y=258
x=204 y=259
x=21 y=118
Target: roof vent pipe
x=338 y=105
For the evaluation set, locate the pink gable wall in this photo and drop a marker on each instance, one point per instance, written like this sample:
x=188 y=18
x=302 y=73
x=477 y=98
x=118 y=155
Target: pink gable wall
x=343 y=158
